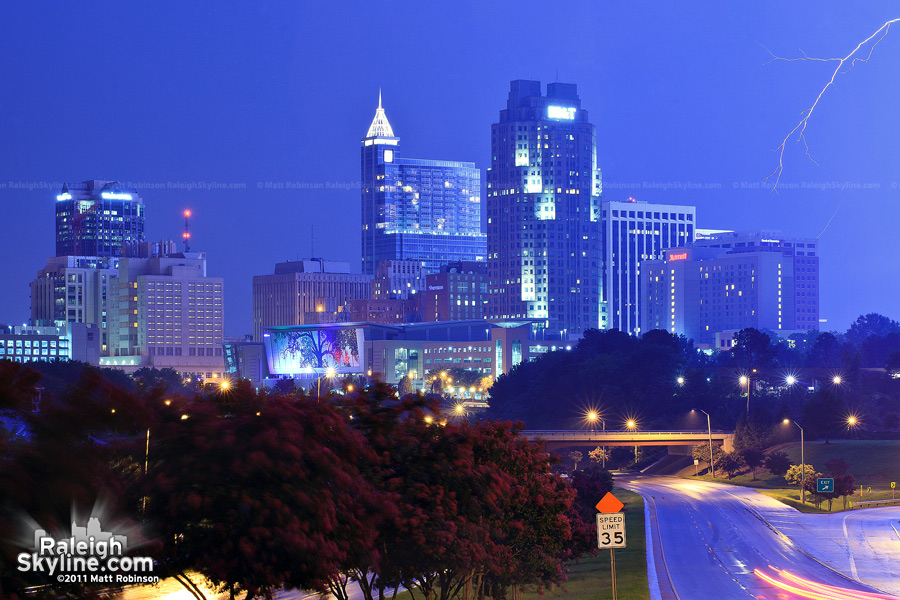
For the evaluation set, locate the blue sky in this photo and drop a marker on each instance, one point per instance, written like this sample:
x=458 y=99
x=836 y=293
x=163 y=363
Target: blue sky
x=248 y=93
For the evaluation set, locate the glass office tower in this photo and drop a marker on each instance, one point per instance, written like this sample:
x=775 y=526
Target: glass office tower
x=543 y=202
x=96 y=218
x=415 y=209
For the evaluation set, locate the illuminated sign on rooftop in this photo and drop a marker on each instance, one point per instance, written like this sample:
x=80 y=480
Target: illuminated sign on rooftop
x=682 y=256
x=66 y=196
x=115 y=196
x=561 y=112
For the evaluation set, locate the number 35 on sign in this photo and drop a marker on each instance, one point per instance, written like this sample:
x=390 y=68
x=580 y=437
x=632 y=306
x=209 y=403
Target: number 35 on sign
x=611 y=530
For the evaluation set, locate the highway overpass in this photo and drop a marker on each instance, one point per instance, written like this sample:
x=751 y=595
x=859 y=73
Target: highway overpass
x=566 y=439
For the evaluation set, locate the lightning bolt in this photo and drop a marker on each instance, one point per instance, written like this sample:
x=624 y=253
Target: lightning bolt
x=849 y=62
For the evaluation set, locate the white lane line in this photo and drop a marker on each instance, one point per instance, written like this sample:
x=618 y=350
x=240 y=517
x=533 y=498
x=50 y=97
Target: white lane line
x=652 y=577
x=849 y=549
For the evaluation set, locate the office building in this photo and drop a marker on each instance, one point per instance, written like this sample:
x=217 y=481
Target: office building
x=76 y=289
x=427 y=211
x=383 y=310
x=730 y=281
x=303 y=292
x=398 y=279
x=543 y=211
x=635 y=232
x=97 y=218
x=31 y=343
x=458 y=292
x=170 y=315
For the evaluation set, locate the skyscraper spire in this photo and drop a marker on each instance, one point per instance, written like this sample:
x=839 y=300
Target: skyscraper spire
x=380 y=126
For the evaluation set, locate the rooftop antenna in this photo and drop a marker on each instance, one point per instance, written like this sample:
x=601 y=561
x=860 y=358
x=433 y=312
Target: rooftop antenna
x=187 y=230
x=312 y=228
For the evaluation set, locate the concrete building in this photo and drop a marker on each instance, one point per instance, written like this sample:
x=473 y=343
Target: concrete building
x=458 y=292
x=76 y=289
x=633 y=233
x=170 y=314
x=301 y=292
x=543 y=204
x=716 y=286
x=383 y=311
x=413 y=209
x=399 y=279
x=97 y=218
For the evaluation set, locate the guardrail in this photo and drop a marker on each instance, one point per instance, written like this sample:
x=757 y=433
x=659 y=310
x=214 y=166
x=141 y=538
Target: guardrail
x=551 y=434
x=874 y=503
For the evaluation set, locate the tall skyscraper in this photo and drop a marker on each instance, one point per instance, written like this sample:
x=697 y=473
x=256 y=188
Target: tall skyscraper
x=543 y=202
x=634 y=232
x=415 y=209
x=96 y=218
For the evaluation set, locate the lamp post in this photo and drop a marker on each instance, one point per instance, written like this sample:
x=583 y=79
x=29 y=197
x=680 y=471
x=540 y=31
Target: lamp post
x=712 y=457
x=592 y=417
x=802 y=462
x=630 y=424
x=744 y=379
x=852 y=422
x=329 y=373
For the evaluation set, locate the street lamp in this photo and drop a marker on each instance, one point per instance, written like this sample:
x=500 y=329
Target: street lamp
x=329 y=373
x=747 y=380
x=712 y=457
x=852 y=422
x=790 y=380
x=836 y=380
x=680 y=380
x=802 y=462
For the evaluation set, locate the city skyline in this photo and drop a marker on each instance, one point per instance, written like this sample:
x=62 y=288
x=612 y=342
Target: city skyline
x=668 y=111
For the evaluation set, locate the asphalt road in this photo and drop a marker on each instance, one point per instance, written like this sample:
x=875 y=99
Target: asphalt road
x=170 y=589
x=712 y=543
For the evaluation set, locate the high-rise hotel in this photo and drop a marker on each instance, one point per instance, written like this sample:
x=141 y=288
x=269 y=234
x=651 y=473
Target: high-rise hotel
x=97 y=218
x=543 y=203
x=414 y=209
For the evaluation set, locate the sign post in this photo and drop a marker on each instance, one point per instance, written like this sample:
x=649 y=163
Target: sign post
x=893 y=485
x=611 y=530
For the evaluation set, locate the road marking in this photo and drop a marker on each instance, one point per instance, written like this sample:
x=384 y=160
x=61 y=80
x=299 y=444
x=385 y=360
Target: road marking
x=849 y=549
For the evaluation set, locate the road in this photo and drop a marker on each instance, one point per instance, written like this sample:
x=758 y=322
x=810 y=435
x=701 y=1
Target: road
x=712 y=541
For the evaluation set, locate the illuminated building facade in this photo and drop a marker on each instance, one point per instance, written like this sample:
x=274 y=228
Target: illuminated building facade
x=304 y=291
x=635 y=232
x=730 y=281
x=413 y=209
x=543 y=203
x=97 y=218
x=457 y=293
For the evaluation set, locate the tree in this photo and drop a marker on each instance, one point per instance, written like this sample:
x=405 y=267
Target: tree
x=794 y=473
x=257 y=496
x=752 y=349
x=872 y=324
x=778 y=463
x=823 y=413
x=730 y=463
x=590 y=485
x=576 y=457
x=844 y=486
x=837 y=467
x=826 y=351
x=168 y=379
x=753 y=458
x=811 y=487
x=751 y=433
x=599 y=455
x=701 y=452
x=404 y=386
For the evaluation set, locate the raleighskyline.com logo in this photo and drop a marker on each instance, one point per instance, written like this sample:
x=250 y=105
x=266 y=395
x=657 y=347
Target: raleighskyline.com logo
x=89 y=555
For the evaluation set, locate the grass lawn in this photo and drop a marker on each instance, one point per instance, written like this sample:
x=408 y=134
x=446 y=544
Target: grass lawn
x=874 y=464
x=589 y=578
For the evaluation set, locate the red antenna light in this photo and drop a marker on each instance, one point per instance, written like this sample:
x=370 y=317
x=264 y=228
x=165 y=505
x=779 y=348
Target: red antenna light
x=187 y=230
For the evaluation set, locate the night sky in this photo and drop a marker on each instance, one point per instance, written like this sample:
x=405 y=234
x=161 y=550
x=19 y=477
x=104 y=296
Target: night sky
x=248 y=93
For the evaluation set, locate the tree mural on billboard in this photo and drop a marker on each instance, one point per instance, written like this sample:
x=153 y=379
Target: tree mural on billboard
x=316 y=348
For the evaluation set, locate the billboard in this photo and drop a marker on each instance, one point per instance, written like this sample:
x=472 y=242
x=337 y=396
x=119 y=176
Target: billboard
x=296 y=351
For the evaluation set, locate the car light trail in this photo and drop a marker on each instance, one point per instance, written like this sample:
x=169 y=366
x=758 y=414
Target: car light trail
x=815 y=591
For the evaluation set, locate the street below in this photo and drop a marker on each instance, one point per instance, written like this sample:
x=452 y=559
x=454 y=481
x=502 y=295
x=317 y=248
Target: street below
x=720 y=541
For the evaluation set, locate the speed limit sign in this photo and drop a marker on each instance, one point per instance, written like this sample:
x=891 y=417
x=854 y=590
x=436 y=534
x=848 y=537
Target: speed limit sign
x=611 y=530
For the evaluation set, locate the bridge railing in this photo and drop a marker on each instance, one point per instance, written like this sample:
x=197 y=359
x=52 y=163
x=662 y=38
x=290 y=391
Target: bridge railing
x=548 y=434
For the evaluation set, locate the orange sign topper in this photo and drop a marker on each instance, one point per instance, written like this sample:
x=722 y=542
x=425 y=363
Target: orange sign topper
x=609 y=504
x=682 y=256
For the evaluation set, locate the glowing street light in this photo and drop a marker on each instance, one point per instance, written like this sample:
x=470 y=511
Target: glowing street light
x=836 y=380
x=790 y=380
x=592 y=418
x=680 y=380
x=802 y=461
x=428 y=419
x=225 y=385
x=630 y=424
